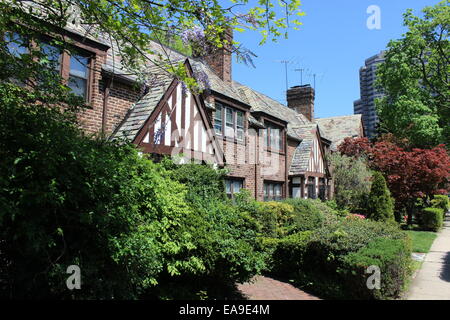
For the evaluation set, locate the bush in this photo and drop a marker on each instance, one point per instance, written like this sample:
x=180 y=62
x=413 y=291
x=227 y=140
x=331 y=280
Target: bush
x=380 y=206
x=327 y=248
x=288 y=253
x=442 y=202
x=306 y=215
x=431 y=219
x=391 y=256
x=133 y=229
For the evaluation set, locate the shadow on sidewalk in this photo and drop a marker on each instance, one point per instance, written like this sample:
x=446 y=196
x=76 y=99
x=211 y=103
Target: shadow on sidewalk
x=445 y=272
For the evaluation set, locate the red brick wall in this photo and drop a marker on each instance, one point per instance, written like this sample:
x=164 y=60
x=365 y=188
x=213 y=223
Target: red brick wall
x=250 y=162
x=121 y=98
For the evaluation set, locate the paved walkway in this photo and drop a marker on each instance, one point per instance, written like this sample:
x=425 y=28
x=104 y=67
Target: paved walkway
x=433 y=280
x=264 y=288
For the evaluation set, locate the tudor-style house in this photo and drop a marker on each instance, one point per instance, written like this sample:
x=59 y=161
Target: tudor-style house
x=274 y=151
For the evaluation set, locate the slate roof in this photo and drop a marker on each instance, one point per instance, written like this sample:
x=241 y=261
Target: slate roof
x=337 y=129
x=262 y=103
x=298 y=126
x=141 y=111
x=300 y=159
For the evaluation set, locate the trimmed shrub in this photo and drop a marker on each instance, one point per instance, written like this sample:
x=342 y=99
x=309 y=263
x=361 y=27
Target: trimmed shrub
x=431 y=219
x=380 y=206
x=328 y=246
x=288 y=253
x=391 y=256
x=307 y=215
x=442 y=202
x=274 y=218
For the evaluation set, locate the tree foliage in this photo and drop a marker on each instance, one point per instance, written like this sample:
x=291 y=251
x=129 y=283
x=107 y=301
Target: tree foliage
x=131 y=26
x=351 y=181
x=416 y=79
x=410 y=174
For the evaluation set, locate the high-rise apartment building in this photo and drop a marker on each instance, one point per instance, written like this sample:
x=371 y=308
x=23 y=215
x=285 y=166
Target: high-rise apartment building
x=366 y=104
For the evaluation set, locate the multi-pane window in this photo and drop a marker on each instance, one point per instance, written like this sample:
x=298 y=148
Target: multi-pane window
x=240 y=125
x=233 y=186
x=273 y=137
x=273 y=191
x=229 y=122
x=53 y=57
x=78 y=75
x=322 y=189
x=73 y=68
x=218 y=119
x=311 y=186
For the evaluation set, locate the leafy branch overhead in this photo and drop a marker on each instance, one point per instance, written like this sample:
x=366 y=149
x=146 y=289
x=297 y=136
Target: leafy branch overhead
x=132 y=25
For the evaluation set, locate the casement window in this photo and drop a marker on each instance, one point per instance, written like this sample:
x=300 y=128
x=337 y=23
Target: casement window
x=311 y=186
x=322 y=189
x=273 y=137
x=218 y=119
x=273 y=191
x=297 y=187
x=233 y=186
x=229 y=122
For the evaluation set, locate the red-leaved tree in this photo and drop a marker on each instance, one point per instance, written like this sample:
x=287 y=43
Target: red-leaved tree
x=411 y=174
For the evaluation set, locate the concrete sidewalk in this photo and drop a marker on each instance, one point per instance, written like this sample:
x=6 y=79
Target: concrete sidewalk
x=433 y=280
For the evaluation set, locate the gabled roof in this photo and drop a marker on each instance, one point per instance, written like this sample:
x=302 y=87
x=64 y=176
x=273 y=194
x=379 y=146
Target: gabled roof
x=141 y=111
x=338 y=128
x=262 y=103
x=300 y=159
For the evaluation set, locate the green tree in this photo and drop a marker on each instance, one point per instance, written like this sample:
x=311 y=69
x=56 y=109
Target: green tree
x=351 y=181
x=131 y=25
x=380 y=205
x=416 y=79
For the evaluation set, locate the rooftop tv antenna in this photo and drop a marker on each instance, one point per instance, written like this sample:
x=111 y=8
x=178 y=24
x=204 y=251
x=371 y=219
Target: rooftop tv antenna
x=285 y=62
x=301 y=75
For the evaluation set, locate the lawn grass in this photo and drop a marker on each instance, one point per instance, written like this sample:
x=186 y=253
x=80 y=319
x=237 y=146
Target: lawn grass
x=421 y=240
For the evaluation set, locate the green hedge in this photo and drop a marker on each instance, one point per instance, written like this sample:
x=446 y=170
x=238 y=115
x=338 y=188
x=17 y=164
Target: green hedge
x=442 y=202
x=431 y=219
x=328 y=260
x=391 y=256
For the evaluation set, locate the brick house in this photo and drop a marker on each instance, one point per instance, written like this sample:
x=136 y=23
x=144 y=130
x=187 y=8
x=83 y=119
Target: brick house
x=274 y=151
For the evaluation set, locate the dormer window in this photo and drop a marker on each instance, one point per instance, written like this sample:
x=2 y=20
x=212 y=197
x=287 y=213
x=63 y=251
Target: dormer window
x=229 y=122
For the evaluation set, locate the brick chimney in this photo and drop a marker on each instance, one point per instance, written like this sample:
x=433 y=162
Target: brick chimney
x=301 y=99
x=220 y=59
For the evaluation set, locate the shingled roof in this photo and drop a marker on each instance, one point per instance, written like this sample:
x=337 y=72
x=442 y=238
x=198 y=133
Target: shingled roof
x=300 y=159
x=298 y=126
x=339 y=128
x=141 y=111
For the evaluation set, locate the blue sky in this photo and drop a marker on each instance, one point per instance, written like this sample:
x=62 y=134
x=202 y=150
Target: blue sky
x=332 y=43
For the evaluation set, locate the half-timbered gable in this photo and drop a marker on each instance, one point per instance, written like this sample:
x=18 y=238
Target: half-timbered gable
x=170 y=120
x=316 y=160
